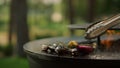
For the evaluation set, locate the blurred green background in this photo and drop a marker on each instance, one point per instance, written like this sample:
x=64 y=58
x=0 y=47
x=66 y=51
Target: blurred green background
x=45 y=19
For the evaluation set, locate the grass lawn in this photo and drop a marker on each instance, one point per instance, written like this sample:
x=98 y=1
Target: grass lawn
x=13 y=62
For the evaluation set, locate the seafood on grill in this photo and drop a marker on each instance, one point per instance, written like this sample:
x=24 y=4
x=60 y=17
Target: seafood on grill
x=73 y=48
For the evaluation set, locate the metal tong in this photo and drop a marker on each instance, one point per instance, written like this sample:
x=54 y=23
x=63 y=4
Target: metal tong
x=96 y=29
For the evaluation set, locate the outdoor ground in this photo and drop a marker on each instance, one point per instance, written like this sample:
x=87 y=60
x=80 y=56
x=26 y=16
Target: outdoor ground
x=13 y=62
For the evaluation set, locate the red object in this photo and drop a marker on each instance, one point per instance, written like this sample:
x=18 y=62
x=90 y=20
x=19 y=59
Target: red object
x=85 y=49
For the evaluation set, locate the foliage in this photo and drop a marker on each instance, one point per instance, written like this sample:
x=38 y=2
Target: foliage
x=107 y=7
x=41 y=37
x=1 y=48
x=13 y=62
x=7 y=50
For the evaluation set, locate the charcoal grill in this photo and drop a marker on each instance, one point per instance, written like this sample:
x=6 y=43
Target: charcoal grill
x=38 y=59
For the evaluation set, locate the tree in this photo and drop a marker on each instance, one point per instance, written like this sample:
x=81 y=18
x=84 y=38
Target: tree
x=71 y=13
x=18 y=16
x=91 y=10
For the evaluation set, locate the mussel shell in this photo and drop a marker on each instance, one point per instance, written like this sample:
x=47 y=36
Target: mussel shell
x=44 y=47
x=60 y=50
x=74 y=52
